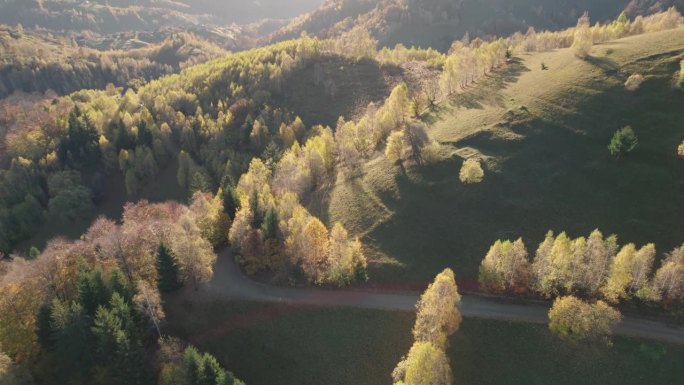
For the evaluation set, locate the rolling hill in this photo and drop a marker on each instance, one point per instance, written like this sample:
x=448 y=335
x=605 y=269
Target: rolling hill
x=548 y=166
x=436 y=23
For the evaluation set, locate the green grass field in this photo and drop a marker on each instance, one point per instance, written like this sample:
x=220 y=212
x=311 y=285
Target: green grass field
x=274 y=344
x=545 y=136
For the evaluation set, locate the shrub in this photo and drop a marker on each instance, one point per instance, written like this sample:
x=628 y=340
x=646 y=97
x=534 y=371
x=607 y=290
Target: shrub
x=634 y=82
x=576 y=320
x=624 y=141
x=471 y=171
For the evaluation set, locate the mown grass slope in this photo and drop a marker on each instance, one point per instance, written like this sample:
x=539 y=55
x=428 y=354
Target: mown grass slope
x=277 y=344
x=544 y=134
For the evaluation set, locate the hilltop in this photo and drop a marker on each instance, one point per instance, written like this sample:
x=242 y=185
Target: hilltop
x=547 y=163
x=437 y=23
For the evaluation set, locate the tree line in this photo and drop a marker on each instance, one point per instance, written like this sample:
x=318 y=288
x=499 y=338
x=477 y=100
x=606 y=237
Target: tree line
x=591 y=267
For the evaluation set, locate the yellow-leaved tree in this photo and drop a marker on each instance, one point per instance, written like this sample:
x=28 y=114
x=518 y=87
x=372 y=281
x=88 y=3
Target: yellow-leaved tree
x=583 y=40
x=424 y=365
x=437 y=315
x=395 y=146
x=574 y=319
x=505 y=267
x=471 y=171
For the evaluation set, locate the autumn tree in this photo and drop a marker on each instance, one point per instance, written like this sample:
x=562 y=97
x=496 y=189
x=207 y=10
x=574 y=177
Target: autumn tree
x=630 y=274
x=346 y=261
x=195 y=254
x=598 y=257
x=19 y=303
x=505 y=267
x=210 y=217
x=425 y=364
x=314 y=248
x=576 y=320
x=669 y=279
x=471 y=171
x=395 y=150
x=13 y=374
x=583 y=40
x=438 y=315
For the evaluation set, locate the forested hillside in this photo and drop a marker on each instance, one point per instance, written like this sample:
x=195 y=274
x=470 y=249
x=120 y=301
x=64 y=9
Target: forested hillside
x=37 y=61
x=436 y=23
x=110 y=16
x=336 y=158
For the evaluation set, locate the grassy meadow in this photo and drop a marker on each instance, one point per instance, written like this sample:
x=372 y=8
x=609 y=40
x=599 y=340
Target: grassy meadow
x=278 y=344
x=544 y=135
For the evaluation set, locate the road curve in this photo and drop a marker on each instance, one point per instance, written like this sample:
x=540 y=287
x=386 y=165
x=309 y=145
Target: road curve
x=229 y=282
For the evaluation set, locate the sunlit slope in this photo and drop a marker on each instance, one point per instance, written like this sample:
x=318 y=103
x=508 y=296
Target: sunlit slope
x=544 y=134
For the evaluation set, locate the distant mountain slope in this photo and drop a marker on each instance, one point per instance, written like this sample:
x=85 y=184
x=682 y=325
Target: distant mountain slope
x=35 y=61
x=108 y=16
x=436 y=23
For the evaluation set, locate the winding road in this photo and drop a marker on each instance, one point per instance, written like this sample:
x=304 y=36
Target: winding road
x=229 y=282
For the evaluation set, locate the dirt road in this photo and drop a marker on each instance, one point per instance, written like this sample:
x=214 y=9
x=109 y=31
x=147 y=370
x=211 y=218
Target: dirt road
x=229 y=282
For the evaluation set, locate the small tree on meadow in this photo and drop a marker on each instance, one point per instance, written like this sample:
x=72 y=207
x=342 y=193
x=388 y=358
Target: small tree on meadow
x=471 y=171
x=624 y=141
x=425 y=364
x=634 y=82
x=438 y=315
x=583 y=41
x=395 y=146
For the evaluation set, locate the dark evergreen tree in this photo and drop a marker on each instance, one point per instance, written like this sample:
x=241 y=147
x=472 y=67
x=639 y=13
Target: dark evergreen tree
x=270 y=225
x=231 y=202
x=168 y=275
x=257 y=218
x=121 y=285
x=144 y=134
x=80 y=147
x=72 y=342
x=92 y=290
x=44 y=327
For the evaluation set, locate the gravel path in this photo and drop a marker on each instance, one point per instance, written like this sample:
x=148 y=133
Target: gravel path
x=229 y=282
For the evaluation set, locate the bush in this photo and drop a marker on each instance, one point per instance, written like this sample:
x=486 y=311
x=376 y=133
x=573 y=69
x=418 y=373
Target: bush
x=624 y=141
x=634 y=82
x=471 y=171
x=576 y=320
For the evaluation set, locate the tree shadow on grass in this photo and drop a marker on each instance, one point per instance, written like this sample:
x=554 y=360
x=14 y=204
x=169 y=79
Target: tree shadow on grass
x=559 y=176
x=486 y=92
x=608 y=65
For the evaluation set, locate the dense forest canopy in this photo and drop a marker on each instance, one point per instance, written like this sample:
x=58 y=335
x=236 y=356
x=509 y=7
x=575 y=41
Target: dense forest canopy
x=122 y=15
x=37 y=61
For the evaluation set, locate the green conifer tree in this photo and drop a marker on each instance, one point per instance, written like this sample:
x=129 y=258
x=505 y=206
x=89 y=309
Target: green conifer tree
x=167 y=270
